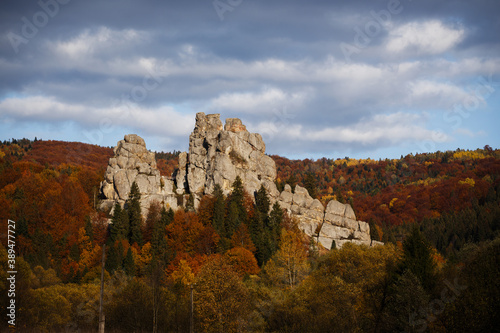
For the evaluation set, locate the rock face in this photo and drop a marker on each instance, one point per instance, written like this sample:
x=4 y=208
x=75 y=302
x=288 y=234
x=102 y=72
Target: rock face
x=132 y=162
x=217 y=155
x=334 y=225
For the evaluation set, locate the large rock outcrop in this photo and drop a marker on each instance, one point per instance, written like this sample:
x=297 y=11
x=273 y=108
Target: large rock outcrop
x=217 y=155
x=132 y=162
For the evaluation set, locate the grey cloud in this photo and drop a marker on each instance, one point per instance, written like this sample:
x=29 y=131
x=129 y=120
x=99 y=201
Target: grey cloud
x=275 y=55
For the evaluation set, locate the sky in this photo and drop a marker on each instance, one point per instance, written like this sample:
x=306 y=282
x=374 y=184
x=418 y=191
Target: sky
x=363 y=79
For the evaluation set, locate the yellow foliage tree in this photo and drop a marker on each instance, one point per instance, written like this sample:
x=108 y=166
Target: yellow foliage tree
x=290 y=264
x=144 y=258
x=183 y=274
x=90 y=256
x=467 y=181
x=221 y=298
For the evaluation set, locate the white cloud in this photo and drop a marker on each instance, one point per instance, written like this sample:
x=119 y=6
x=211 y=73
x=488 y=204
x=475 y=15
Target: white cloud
x=391 y=129
x=433 y=94
x=90 y=42
x=40 y=109
x=469 y=133
x=429 y=37
x=258 y=102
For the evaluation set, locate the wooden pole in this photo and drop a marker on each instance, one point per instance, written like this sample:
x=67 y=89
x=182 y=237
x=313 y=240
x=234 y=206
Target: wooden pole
x=102 y=320
x=191 y=322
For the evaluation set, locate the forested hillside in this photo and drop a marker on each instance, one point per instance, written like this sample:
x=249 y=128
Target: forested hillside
x=254 y=270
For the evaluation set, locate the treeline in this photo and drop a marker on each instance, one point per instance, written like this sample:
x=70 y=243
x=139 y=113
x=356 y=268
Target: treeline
x=354 y=289
x=252 y=270
x=427 y=189
x=167 y=162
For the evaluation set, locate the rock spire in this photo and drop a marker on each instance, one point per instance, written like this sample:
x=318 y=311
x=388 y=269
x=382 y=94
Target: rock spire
x=217 y=155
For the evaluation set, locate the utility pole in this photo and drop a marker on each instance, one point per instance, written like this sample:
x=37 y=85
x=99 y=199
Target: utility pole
x=101 y=314
x=191 y=321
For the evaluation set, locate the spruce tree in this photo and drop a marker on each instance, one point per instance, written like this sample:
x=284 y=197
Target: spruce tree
x=158 y=241
x=166 y=216
x=263 y=229
x=134 y=215
x=237 y=213
x=129 y=264
x=233 y=219
x=262 y=202
x=219 y=212
x=275 y=220
x=417 y=258
x=119 y=254
x=112 y=259
x=120 y=224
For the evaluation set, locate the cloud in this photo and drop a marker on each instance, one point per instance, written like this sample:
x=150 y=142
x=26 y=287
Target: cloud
x=428 y=37
x=40 y=109
x=433 y=94
x=378 y=131
x=258 y=102
x=469 y=133
x=287 y=78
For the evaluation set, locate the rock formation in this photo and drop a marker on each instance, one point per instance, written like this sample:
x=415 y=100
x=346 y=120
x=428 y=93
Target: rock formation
x=132 y=162
x=217 y=155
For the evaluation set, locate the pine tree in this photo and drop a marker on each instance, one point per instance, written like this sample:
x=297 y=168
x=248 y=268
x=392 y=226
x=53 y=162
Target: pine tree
x=129 y=264
x=275 y=221
x=237 y=213
x=260 y=238
x=134 y=215
x=417 y=258
x=112 y=259
x=120 y=224
x=166 y=216
x=119 y=254
x=233 y=219
x=219 y=212
x=158 y=241
x=262 y=202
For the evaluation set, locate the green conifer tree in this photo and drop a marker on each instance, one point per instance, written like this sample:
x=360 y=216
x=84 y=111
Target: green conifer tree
x=237 y=213
x=129 y=264
x=262 y=202
x=120 y=224
x=158 y=241
x=134 y=215
x=166 y=216
x=218 y=220
x=112 y=259
x=417 y=258
x=275 y=221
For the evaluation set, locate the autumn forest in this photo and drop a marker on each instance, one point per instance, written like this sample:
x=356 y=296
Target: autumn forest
x=243 y=260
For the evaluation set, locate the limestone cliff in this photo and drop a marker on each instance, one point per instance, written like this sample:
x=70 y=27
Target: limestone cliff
x=217 y=155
